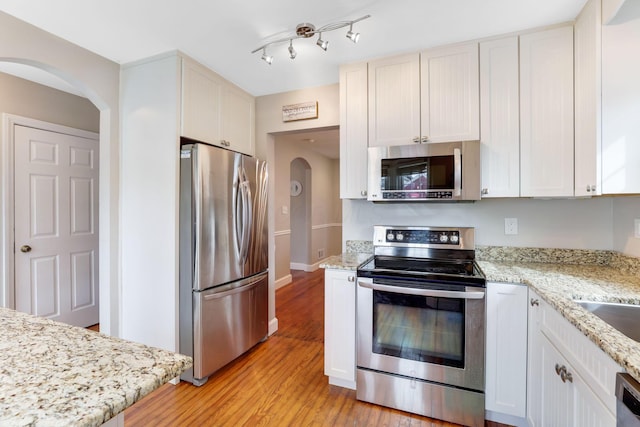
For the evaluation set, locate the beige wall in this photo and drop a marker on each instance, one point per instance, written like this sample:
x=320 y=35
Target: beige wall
x=99 y=80
x=325 y=216
x=24 y=98
x=269 y=122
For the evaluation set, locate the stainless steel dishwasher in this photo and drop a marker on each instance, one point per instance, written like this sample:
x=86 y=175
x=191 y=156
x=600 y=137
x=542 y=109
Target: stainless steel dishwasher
x=628 y=404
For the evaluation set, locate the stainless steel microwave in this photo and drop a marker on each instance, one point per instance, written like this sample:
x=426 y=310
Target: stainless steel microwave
x=446 y=171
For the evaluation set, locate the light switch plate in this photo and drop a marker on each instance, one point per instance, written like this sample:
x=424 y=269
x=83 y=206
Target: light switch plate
x=636 y=228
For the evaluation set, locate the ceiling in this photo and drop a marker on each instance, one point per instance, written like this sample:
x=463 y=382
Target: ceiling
x=325 y=142
x=222 y=34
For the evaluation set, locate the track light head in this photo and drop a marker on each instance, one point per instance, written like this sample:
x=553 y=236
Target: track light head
x=322 y=43
x=354 y=37
x=292 y=51
x=266 y=58
x=305 y=31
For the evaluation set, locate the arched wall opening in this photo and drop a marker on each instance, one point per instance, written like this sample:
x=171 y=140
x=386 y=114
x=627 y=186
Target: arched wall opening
x=98 y=79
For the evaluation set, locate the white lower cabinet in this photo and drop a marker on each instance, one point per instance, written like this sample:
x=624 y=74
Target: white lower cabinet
x=340 y=327
x=571 y=380
x=506 y=353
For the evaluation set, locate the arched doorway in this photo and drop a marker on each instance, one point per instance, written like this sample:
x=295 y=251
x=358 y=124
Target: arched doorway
x=98 y=79
x=300 y=217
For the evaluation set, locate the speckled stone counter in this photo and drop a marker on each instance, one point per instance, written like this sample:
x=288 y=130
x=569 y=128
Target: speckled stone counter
x=568 y=275
x=53 y=374
x=346 y=261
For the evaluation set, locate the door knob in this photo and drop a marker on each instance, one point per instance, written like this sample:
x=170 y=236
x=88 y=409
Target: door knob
x=25 y=249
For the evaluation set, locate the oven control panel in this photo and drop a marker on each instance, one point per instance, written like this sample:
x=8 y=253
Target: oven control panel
x=423 y=237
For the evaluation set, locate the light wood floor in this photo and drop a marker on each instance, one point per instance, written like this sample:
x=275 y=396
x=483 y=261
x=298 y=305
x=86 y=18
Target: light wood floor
x=280 y=382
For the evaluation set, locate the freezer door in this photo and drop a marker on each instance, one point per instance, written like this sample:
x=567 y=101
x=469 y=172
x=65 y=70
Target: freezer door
x=229 y=211
x=228 y=321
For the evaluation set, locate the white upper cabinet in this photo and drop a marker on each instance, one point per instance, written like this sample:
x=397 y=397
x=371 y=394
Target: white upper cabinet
x=588 y=85
x=201 y=94
x=215 y=111
x=394 y=100
x=499 y=118
x=546 y=113
x=353 y=131
x=449 y=93
x=238 y=117
x=621 y=104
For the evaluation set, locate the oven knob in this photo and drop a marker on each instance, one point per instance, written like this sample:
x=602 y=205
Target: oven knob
x=399 y=236
x=444 y=238
x=390 y=236
x=454 y=238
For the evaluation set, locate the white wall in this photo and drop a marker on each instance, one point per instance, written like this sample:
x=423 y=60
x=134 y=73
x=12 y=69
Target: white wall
x=99 y=80
x=625 y=211
x=581 y=223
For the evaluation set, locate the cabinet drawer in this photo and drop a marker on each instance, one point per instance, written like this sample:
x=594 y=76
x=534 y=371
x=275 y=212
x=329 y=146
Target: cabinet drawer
x=591 y=363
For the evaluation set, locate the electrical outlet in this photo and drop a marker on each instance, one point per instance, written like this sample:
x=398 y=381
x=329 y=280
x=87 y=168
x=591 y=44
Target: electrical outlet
x=511 y=226
x=285 y=210
x=636 y=228
x=320 y=253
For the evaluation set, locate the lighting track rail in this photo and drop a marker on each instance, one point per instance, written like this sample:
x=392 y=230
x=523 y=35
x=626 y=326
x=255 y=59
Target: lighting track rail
x=305 y=31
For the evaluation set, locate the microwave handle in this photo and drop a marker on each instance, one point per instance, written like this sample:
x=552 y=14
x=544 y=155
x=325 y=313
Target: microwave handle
x=457 y=172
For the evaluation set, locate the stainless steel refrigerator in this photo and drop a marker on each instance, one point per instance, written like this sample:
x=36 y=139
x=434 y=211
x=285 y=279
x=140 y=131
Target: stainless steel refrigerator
x=223 y=256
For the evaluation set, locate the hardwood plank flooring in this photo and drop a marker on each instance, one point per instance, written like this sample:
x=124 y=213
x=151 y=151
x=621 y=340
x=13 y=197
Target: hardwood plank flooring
x=280 y=382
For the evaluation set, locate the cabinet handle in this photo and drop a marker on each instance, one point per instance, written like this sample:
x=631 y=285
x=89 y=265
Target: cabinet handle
x=588 y=189
x=485 y=191
x=363 y=192
x=566 y=376
x=593 y=188
x=351 y=279
x=559 y=369
x=416 y=140
x=424 y=139
x=534 y=302
x=225 y=143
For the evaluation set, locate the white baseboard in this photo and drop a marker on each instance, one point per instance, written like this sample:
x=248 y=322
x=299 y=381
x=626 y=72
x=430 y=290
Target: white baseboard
x=284 y=280
x=505 y=418
x=309 y=268
x=273 y=326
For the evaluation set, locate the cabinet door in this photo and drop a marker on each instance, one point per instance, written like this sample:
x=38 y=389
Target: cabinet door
x=340 y=327
x=238 y=120
x=621 y=103
x=353 y=131
x=556 y=398
x=534 y=385
x=546 y=113
x=588 y=76
x=506 y=349
x=394 y=100
x=500 y=121
x=449 y=93
x=201 y=93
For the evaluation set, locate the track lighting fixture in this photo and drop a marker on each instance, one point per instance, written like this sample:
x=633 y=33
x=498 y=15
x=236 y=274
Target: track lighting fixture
x=292 y=51
x=322 y=43
x=306 y=30
x=354 y=37
x=266 y=58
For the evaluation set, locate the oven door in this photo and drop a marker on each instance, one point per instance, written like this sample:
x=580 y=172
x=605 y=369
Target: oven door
x=434 y=333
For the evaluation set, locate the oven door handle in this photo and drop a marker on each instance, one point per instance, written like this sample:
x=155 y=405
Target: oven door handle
x=368 y=283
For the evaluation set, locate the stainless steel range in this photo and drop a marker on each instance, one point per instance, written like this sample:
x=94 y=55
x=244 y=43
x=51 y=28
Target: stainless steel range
x=421 y=314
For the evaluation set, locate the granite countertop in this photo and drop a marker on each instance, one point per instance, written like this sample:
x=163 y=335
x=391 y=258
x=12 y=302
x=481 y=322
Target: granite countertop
x=559 y=276
x=53 y=374
x=561 y=284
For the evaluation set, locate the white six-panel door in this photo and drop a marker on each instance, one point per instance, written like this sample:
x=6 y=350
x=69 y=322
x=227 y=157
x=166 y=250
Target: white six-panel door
x=56 y=225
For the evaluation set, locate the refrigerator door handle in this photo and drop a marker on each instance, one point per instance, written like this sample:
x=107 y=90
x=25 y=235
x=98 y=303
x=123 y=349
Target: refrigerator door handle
x=244 y=287
x=248 y=219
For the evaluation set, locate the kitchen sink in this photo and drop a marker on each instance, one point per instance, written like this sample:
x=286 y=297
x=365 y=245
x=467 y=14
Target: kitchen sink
x=623 y=317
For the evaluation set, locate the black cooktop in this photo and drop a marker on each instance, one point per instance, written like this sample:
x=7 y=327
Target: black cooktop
x=424 y=269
